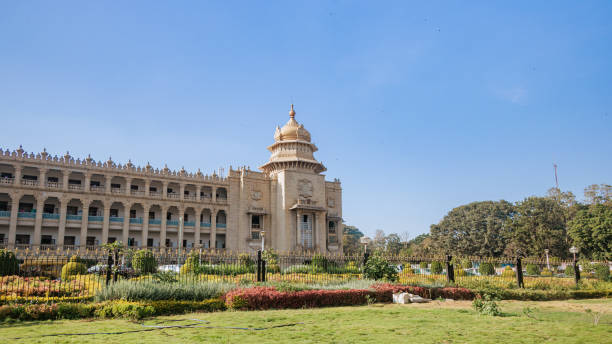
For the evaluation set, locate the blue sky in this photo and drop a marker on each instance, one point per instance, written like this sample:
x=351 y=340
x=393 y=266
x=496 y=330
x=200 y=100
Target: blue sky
x=417 y=108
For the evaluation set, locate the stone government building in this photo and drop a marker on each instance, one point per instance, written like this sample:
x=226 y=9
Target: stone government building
x=51 y=201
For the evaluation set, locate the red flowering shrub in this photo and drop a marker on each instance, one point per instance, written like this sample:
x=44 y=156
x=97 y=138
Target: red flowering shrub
x=258 y=298
x=387 y=290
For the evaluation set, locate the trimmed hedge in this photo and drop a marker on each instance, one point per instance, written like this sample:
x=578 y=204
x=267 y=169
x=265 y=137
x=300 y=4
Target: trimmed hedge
x=9 y=265
x=73 y=268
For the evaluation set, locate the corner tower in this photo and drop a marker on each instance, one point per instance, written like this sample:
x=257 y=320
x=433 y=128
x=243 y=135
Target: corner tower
x=306 y=210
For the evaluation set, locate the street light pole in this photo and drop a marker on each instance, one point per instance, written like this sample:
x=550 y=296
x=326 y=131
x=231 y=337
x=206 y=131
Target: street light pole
x=547 y=263
x=262 y=234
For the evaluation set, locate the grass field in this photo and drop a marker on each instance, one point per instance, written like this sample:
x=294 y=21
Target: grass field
x=436 y=322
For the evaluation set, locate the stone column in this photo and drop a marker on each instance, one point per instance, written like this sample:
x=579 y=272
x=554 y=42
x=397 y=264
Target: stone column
x=106 y=222
x=61 y=230
x=162 y=228
x=214 y=195
x=196 y=228
x=213 y=229
x=181 y=192
x=320 y=234
x=128 y=186
x=18 y=170
x=107 y=183
x=13 y=220
x=86 y=186
x=198 y=191
x=40 y=203
x=145 y=226
x=164 y=190
x=84 y=222
x=126 y=223
x=65 y=178
x=297 y=233
x=147 y=187
x=42 y=183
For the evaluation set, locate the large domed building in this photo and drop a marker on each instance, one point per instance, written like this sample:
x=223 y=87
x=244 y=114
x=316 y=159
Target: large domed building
x=51 y=201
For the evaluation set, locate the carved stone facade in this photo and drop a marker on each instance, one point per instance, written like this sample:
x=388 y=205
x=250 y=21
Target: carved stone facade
x=63 y=201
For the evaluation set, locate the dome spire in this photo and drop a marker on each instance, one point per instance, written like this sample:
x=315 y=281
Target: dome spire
x=292 y=112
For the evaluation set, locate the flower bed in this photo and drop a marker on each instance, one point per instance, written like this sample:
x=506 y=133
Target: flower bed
x=35 y=288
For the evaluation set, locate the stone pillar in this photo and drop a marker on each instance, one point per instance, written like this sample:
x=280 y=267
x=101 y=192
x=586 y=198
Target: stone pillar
x=198 y=191
x=126 y=223
x=214 y=195
x=17 y=181
x=13 y=220
x=145 y=226
x=107 y=183
x=84 y=222
x=162 y=228
x=61 y=230
x=181 y=192
x=320 y=234
x=297 y=233
x=40 y=203
x=65 y=178
x=147 y=187
x=128 y=186
x=164 y=190
x=106 y=222
x=86 y=186
x=213 y=229
x=42 y=183
x=196 y=228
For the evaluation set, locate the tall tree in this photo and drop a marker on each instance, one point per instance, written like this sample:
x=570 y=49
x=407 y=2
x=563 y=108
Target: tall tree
x=393 y=243
x=538 y=223
x=473 y=229
x=591 y=231
x=598 y=194
x=350 y=240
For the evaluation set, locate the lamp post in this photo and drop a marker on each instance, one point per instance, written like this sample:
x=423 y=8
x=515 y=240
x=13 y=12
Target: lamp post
x=365 y=241
x=547 y=263
x=262 y=234
x=574 y=250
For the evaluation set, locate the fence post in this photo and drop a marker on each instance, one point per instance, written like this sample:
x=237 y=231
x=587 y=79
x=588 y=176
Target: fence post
x=450 y=271
x=519 y=273
x=263 y=270
x=258 y=265
x=576 y=271
x=108 y=268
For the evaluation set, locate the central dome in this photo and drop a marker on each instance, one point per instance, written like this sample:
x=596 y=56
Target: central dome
x=292 y=130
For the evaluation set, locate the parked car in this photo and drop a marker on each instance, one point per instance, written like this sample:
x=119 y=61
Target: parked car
x=169 y=268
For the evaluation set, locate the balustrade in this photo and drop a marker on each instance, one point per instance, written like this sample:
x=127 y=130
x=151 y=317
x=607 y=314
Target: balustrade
x=221 y=225
x=29 y=182
x=77 y=187
x=98 y=189
x=95 y=218
x=116 y=219
x=7 y=180
x=74 y=217
x=28 y=215
x=5 y=213
x=205 y=224
x=51 y=216
x=54 y=185
x=137 y=220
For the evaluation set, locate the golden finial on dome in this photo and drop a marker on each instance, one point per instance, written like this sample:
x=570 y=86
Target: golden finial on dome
x=292 y=112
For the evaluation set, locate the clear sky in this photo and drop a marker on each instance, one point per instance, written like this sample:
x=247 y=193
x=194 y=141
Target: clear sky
x=417 y=108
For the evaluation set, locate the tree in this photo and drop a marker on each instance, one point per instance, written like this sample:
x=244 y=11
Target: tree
x=475 y=229
x=537 y=224
x=350 y=240
x=598 y=194
x=591 y=231
x=380 y=239
x=393 y=243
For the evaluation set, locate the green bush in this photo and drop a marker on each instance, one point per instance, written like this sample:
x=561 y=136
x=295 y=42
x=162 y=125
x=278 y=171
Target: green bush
x=486 y=306
x=546 y=273
x=423 y=265
x=436 y=267
x=486 y=269
x=75 y=310
x=192 y=264
x=508 y=272
x=533 y=270
x=569 y=270
x=602 y=271
x=319 y=262
x=9 y=265
x=148 y=290
x=378 y=268
x=124 y=309
x=73 y=268
x=466 y=264
x=144 y=262
x=271 y=258
x=245 y=259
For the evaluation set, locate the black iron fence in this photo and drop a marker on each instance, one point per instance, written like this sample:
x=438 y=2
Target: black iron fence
x=73 y=275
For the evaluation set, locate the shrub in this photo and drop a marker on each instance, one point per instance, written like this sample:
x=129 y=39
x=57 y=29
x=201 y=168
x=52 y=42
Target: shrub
x=436 y=267
x=533 y=270
x=73 y=268
x=124 y=309
x=466 y=264
x=168 y=307
x=508 y=272
x=75 y=259
x=547 y=273
x=144 y=262
x=378 y=268
x=486 y=269
x=245 y=260
x=486 y=306
x=460 y=272
x=8 y=263
x=144 y=290
x=192 y=264
x=423 y=265
x=602 y=271
x=569 y=270
x=271 y=258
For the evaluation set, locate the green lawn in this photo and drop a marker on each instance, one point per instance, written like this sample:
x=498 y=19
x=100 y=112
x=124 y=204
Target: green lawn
x=437 y=322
